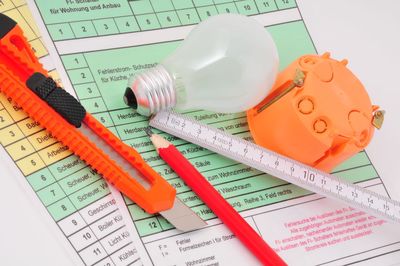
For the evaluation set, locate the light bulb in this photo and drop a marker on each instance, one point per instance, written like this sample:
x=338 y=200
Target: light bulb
x=227 y=64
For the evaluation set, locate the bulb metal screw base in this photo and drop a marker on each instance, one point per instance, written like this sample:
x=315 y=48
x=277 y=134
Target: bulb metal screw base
x=151 y=91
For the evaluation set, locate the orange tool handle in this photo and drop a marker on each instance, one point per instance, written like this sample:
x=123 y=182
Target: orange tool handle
x=17 y=64
x=161 y=195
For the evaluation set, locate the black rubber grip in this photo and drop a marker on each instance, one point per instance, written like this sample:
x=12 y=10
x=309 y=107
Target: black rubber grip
x=41 y=85
x=6 y=25
x=60 y=100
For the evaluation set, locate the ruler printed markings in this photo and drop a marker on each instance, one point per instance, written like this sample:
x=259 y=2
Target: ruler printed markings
x=276 y=165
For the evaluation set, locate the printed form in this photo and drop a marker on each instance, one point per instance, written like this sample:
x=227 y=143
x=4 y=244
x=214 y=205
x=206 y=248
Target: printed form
x=96 y=45
x=77 y=199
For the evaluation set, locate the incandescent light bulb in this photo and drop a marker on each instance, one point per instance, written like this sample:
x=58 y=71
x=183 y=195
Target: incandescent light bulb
x=227 y=64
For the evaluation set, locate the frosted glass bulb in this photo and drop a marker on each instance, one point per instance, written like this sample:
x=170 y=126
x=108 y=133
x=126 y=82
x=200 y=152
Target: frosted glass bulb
x=227 y=64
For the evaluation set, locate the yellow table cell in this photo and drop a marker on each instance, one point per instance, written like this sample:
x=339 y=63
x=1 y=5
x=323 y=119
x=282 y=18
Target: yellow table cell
x=38 y=48
x=15 y=15
x=19 y=2
x=30 y=164
x=6 y=5
x=10 y=134
x=15 y=111
x=3 y=99
x=29 y=126
x=54 y=74
x=20 y=149
x=54 y=153
x=5 y=119
x=42 y=140
x=26 y=13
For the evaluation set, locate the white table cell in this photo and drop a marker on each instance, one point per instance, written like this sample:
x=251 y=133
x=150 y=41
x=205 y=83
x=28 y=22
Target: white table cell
x=126 y=256
x=93 y=254
x=116 y=240
x=98 y=209
x=106 y=262
x=72 y=224
x=82 y=238
x=107 y=225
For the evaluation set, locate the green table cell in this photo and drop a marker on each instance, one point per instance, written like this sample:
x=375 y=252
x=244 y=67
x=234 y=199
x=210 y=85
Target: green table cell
x=358 y=174
x=168 y=19
x=233 y=126
x=138 y=213
x=79 y=76
x=204 y=212
x=94 y=105
x=210 y=162
x=74 y=61
x=265 y=6
x=190 y=150
x=284 y=4
x=206 y=12
x=161 y=6
x=231 y=173
x=113 y=130
x=190 y=199
x=148 y=226
x=188 y=16
x=133 y=131
x=83 y=29
x=105 y=26
x=227 y=8
x=128 y=201
x=285 y=35
x=60 y=32
x=41 y=179
x=89 y=194
x=360 y=159
x=141 y=144
x=61 y=209
x=111 y=68
x=166 y=172
x=127 y=24
x=78 y=180
x=199 y=3
x=153 y=159
x=266 y=197
x=181 y=4
x=105 y=119
x=248 y=185
x=126 y=116
x=87 y=90
x=223 y=1
x=211 y=117
x=179 y=185
x=247 y=7
x=66 y=167
x=246 y=136
x=174 y=140
x=58 y=11
x=148 y=22
x=165 y=225
x=51 y=194
x=141 y=7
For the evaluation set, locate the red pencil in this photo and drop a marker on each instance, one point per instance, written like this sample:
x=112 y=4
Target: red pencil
x=211 y=197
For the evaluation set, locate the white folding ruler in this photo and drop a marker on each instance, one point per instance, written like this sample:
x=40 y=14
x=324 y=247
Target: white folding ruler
x=276 y=165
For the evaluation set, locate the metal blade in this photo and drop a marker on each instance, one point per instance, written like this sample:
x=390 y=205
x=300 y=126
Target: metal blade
x=182 y=217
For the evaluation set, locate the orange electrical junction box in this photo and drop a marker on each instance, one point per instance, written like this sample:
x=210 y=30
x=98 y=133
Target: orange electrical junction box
x=318 y=113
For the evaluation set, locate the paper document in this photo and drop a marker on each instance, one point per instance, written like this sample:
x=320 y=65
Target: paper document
x=97 y=45
x=78 y=201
